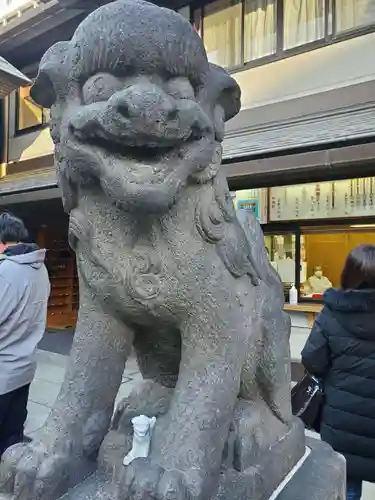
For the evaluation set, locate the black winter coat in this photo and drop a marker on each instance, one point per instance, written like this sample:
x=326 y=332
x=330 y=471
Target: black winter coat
x=341 y=351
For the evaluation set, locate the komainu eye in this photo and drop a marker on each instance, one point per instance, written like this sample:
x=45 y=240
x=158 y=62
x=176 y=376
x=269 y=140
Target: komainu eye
x=100 y=87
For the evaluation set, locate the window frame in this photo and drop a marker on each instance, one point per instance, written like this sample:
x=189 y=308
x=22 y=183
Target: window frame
x=298 y=229
x=32 y=128
x=281 y=53
x=279 y=228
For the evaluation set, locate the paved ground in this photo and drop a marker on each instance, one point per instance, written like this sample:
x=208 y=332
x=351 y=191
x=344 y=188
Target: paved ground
x=46 y=386
x=58 y=341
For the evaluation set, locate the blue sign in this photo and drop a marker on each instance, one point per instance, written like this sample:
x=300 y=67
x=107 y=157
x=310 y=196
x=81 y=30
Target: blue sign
x=251 y=205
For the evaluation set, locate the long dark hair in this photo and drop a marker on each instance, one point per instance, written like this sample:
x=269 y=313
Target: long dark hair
x=359 y=269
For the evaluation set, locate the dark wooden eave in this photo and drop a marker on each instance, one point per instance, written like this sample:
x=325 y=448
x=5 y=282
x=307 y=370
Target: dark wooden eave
x=310 y=166
x=92 y=4
x=24 y=40
x=331 y=163
x=10 y=78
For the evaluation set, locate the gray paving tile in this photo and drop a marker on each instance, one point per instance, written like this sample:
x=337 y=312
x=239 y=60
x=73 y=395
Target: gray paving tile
x=51 y=358
x=37 y=415
x=136 y=377
x=44 y=392
x=125 y=390
x=131 y=365
x=58 y=341
x=129 y=373
x=50 y=373
x=131 y=368
x=33 y=435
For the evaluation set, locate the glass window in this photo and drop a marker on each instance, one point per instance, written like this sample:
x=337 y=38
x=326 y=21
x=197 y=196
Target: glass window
x=323 y=254
x=281 y=249
x=304 y=22
x=29 y=113
x=259 y=29
x=236 y=32
x=351 y=14
x=222 y=30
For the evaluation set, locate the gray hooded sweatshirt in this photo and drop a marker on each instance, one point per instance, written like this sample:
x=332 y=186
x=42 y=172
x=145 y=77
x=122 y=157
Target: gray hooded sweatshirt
x=24 y=293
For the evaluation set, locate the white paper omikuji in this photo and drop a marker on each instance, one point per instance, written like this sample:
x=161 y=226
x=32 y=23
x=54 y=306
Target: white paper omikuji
x=142 y=434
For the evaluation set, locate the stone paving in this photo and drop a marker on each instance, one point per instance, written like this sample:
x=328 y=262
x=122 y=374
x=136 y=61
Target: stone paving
x=46 y=385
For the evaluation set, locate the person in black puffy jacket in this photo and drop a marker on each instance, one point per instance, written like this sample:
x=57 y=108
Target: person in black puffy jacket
x=341 y=352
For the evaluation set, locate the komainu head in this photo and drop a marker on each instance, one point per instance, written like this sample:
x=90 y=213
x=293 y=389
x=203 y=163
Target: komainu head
x=135 y=105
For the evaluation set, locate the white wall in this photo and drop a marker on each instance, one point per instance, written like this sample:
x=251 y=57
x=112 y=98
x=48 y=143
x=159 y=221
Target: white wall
x=8 y=7
x=300 y=332
x=337 y=65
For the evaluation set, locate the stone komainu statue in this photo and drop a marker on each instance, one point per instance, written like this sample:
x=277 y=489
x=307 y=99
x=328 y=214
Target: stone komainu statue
x=137 y=118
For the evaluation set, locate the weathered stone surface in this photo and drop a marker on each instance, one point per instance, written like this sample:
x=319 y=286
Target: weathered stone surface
x=137 y=118
x=97 y=486
x=321 y=477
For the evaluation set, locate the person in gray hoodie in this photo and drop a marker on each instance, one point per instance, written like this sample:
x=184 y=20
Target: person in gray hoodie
x=24 y=293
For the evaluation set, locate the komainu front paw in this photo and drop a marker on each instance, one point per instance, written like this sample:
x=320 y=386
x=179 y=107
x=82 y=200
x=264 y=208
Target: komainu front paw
x=172 y=486
x=35 y=471
x=146 y=481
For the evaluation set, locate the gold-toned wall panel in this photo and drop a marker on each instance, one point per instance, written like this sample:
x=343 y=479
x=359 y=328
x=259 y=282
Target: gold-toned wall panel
x=30 y=145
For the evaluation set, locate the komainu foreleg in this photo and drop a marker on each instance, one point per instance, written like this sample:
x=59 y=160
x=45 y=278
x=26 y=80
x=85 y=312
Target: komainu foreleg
x=158 y=351
x=189 y=441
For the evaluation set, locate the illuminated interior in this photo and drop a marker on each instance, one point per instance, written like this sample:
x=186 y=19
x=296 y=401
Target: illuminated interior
x=311 y=228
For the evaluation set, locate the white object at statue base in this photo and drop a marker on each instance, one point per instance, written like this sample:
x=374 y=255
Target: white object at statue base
x=142 y=427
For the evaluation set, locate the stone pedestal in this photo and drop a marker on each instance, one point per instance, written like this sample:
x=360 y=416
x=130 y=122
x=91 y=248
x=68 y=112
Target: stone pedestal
x=320 y=475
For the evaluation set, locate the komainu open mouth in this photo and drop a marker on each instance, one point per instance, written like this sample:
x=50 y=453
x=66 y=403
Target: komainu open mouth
x=149 y=152
x=144 y=153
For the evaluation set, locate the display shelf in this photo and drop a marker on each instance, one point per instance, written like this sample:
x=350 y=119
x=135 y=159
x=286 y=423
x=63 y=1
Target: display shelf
x=61 y=266
x=310 y=310
x=301 y=307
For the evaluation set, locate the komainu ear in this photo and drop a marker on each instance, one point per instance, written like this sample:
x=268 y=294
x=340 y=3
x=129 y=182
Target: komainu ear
x=52 y=76
x=42 y=92
x=224 y=91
